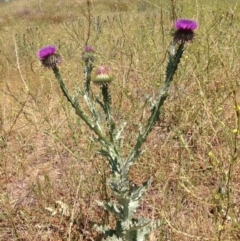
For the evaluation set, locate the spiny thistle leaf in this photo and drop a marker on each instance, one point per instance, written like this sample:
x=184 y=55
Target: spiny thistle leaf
x=136 y=229
x=113 y=238
x=112 y=161
x=128 y=207
x=141 y=228
x=120 y=187
x=119 y=132
x=139 y=223
x=109 y=233
x=110 y=207
x=137 y=192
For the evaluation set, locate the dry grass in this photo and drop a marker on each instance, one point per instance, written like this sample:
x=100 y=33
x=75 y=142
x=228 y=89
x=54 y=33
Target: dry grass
x=47 y=154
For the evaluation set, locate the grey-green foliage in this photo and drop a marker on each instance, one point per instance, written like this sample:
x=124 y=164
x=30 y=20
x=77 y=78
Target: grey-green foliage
x=127 y=195
x=128 y=199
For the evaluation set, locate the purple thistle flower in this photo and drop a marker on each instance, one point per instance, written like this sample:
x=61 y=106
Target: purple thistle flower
x=47 y=51
x=48 y=56
x=186 y=24
x=88 y=54
x=184 y=30
x=88 y=49
x=103 y=75
x=103 y=70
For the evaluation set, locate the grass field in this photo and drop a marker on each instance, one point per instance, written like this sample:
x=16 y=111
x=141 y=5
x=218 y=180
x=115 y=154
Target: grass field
x=50 y=175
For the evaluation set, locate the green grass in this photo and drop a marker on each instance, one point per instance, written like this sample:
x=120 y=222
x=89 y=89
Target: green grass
x=47 y=154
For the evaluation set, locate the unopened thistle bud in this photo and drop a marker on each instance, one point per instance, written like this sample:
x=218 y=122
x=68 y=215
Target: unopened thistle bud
x=102 y=76
x=88 y=54
x=184 y=30
x=48 y=56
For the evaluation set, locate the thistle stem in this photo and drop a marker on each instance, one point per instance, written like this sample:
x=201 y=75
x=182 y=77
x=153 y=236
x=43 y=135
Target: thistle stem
x=77 y=108
x=173 y=62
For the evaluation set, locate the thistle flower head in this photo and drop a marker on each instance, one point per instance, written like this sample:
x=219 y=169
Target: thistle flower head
x=89 y=49
x=47 y=51
x=103 y=75
x=88 y=54
x=184 y=30
x=186 y=24
x=48 y=56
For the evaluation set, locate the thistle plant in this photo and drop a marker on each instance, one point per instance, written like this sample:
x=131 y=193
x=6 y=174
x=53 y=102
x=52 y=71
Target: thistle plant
x=127 y=195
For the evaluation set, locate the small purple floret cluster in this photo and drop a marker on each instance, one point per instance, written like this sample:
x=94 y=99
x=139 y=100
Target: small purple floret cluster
x=47 y=51
x=89 y=49
x=185 y=24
